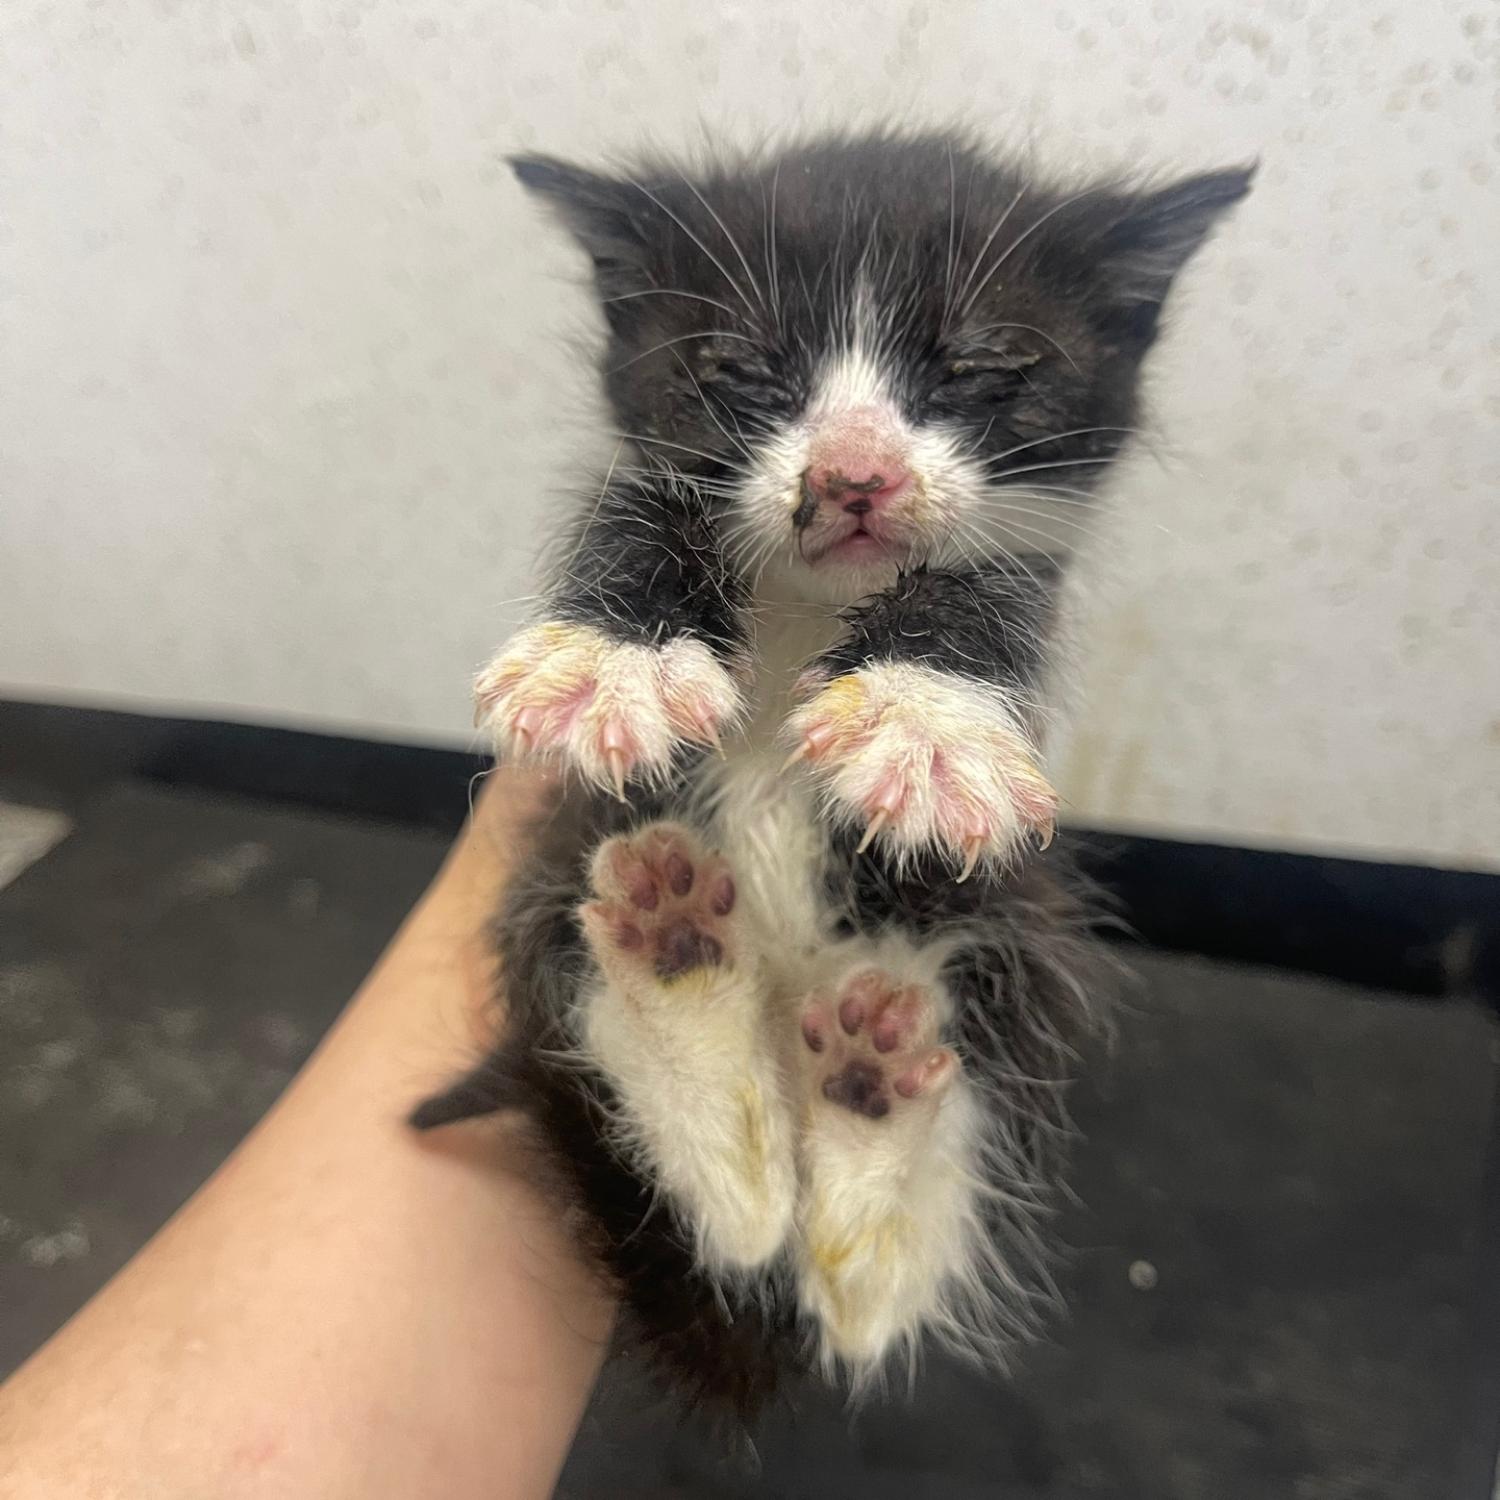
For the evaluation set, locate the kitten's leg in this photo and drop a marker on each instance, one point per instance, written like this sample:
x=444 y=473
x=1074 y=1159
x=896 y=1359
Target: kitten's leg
x=677 y=1023
x=921 y=724
x=640 y=647
x=887 y=1229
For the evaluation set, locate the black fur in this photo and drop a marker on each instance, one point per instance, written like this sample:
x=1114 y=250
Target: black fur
x=1049 y=347
x=988 y=622
x=644 y=564
x=1013 y=311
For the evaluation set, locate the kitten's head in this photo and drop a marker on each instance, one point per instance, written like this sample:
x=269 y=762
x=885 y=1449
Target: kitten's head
x=876 y=352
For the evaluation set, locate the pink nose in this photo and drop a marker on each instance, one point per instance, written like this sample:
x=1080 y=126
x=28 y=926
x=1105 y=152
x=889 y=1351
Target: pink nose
x=856 y=488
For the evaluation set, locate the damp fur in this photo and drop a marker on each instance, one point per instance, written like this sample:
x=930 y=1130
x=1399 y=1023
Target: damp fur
x=797 y=646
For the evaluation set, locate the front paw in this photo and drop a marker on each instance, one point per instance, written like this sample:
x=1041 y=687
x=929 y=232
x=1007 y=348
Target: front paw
x=919 y=757
x=610 y=709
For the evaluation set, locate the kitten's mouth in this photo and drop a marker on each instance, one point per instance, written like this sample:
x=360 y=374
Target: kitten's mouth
x=859 y=545
x=856 y=523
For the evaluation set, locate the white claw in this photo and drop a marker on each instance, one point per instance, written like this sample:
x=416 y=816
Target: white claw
x=799 y=754
x=710 y=737
x=617 y=769
x=875 y=825
x=1045 y=833
x=973 y=846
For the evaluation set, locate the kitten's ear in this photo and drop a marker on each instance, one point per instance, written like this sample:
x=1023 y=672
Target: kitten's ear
x=1155 y=234
x=605 y=216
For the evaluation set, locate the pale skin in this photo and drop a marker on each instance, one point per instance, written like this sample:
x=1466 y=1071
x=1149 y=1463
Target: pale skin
x=345 y=1309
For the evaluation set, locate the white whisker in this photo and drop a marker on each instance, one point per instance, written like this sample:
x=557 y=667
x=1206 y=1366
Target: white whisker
x=1057 y=437
x=984 y=248
x=739 y=442
x=734 y=285
x=1027 y=328
x=734 y=244
x=1020 y=240
x=1061 y=463
x=662 y=291
x=682 y=338
x=639 y=437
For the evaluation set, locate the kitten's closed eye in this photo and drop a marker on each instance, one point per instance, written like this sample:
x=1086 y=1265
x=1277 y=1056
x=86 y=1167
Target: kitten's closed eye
x=735 y=372
x=977 y=359
x=979 y=380
x=991 y=365
x=746 y=381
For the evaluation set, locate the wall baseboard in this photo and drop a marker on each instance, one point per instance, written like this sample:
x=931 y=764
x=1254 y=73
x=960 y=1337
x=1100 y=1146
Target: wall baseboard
x=1396 y=927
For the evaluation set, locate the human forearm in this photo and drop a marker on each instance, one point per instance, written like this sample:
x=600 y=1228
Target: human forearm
x=345 y=1308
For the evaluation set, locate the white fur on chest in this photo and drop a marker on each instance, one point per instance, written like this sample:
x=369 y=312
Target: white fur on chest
x=787 y=638
x=764 y=818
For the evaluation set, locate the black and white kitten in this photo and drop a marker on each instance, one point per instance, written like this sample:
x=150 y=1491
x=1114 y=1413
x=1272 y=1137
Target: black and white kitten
x=790 y=998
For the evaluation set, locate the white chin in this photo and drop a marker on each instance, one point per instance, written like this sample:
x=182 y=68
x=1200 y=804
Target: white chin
x=834 y=581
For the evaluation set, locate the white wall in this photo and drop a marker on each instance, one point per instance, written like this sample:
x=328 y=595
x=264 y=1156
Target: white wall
x=279 y=375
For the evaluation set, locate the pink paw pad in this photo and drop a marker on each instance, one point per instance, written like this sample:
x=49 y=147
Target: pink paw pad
x=663 y=899
x=878 y=1038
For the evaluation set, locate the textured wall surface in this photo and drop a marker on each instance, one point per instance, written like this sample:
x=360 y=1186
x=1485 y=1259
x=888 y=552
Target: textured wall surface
x=281 y=376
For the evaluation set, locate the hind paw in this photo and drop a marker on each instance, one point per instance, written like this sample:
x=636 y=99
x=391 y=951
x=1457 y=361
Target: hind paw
x=664 y=904
x=871 y=1046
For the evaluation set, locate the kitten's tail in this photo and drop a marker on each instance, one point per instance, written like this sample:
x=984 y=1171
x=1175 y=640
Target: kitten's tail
x=484 y=1091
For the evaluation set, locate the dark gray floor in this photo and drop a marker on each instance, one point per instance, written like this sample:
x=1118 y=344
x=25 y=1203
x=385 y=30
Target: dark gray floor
x=1275 y=1275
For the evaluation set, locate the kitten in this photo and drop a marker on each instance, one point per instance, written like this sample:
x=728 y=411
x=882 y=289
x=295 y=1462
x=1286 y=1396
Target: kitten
x=791 y=992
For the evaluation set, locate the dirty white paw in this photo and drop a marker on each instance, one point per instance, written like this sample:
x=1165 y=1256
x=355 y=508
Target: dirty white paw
x=608 y=709
x=663 y=906
x=920 y=758
x=886 y=1210
x=677 y=1023
x=873 y=1045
